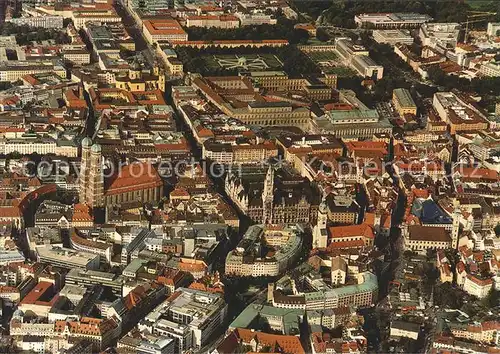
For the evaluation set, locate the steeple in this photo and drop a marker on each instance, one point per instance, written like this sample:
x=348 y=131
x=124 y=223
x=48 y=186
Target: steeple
x=268 y=196
x=455 y=228
x=96 y=178
x=84 y=169
x=320 y=237
x=269 y=183
x=91 y=176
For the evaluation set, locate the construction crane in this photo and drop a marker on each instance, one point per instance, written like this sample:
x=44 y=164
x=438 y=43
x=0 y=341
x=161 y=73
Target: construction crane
x=473 y=15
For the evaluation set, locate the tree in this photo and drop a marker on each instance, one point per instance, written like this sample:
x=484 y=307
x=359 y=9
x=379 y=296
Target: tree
x=284 y=29
x=295 y=62
x=431 y=273
x=446 y=13
x=298 y=36
x=67 y=21
x=321 y=35
x=5 y=85
x=497 y=230
x=492 y=300
x=436 y=74
x=446 y=295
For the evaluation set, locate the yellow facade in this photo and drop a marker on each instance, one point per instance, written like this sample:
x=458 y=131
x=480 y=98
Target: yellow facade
x=403 y=108
x=137 y=81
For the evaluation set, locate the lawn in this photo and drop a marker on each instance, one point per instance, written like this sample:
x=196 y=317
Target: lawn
x=322 y=56
x=330 y=63
x=247 y=62
x=341 y=71
x=482 y=5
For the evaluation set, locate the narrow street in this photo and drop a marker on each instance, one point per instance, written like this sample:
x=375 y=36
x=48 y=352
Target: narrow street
x=91 y=121
x=374 y=317
x=141 y=45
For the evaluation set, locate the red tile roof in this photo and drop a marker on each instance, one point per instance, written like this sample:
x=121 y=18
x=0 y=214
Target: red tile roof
x=428 y=233
x=281 y=343
x=41 y=289
x=480 y=282
x=369 y=219
x=164 y=26
x=179 y=192
x=477 y=173
x=192 y=267
x=363 y=230
x=81 y=213
x=134 y=177
x=10 y=212
x=376 y=146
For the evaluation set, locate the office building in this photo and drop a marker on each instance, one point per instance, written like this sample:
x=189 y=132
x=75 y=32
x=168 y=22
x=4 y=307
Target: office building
x=352 y=119
x=285 y=321
x=391 y=20
x=491 y=68
x=458 y=113
x=440 y=35
x=188 y=316
x=89 y=278
x=493 y=29
x=148 y=6
x=255 y=19
x=367 y=67
x=347 y=49
x=213 y=21
x=234 y=152
x=163 y=30
x=357 y=56
x=284 y=245
x=477 y=285
x=321 y=296
x=15 y=70
x=403 y=102
x=39 y=21
x=134 y=242
x=67 y=258
x=80 y=243
x=392 y=37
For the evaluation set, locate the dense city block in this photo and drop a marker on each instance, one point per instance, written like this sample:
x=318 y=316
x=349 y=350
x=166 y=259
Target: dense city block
x=249 y=176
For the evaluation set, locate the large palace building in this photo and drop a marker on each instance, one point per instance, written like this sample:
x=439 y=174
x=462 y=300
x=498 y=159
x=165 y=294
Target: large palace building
x=132 y=182
x=236 y=97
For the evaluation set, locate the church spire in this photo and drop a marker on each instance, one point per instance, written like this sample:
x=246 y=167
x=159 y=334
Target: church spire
x=268 y=196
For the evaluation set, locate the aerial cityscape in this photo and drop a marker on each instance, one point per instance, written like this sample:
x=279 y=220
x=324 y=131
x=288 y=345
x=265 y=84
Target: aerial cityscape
x=249 y=176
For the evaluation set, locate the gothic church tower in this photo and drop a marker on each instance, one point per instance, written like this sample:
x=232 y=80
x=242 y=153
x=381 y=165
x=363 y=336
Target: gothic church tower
x=91 y=175
x=268 y=196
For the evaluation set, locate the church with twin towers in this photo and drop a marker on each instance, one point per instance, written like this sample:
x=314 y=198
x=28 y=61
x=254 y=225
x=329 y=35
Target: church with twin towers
x=133 y=182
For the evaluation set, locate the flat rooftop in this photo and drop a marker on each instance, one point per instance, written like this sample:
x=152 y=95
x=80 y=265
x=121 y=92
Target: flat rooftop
x=394 y=16
x=66 y=255
x=404 y=97
x=163 y=27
